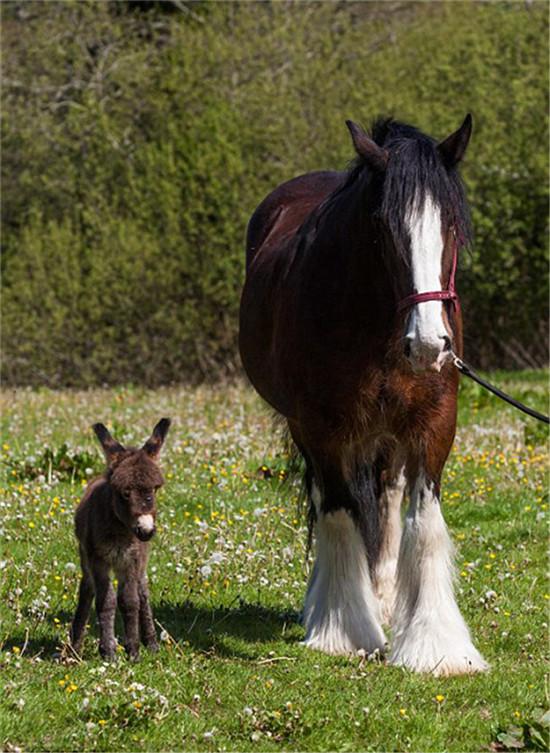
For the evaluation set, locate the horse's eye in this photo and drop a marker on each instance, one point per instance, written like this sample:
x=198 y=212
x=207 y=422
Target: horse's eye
x=126 y=494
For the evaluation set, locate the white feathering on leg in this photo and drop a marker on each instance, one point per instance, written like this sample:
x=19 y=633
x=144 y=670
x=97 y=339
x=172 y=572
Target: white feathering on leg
x=341 y=610
x=430 y=634
x=386 y=568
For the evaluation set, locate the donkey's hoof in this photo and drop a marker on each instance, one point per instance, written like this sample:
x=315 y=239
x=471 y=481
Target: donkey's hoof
x=133 y=654
x=153 y=647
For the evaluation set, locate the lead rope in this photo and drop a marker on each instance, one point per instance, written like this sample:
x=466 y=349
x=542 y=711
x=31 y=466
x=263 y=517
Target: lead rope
x=469 y=372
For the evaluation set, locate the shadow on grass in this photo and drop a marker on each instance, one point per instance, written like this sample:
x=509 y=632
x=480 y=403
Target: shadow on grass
x=206 y=630
x=45 y=647
x=210 y=629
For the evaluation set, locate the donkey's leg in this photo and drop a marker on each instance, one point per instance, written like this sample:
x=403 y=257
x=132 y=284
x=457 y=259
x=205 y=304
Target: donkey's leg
x=341 y=609
x=390 y=501
x=146 y=621
x=85 y=598
x=129 y=603
x=105 y=604
x=430 y=634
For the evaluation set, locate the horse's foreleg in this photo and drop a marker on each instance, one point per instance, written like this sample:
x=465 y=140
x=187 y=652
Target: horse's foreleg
x=341 y=609
x=390 y=501
x=429 y=633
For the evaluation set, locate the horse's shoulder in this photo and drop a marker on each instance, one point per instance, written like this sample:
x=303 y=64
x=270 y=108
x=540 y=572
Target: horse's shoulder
x=288 y=205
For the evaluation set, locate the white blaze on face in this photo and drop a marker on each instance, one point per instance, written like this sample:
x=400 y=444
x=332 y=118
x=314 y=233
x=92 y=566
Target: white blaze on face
x=145 y=523
x=426 y=332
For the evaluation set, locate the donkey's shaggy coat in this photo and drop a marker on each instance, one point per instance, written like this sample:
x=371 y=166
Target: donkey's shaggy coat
x=114 y=522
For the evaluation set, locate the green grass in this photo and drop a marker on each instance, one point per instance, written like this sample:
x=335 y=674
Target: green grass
x=228 y=572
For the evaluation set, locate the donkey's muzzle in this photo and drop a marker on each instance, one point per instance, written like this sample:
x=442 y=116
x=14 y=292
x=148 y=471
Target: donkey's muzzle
x=145 y=527
x=144 y=534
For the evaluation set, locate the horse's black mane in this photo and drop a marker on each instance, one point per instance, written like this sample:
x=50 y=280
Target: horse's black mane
x=415 y=170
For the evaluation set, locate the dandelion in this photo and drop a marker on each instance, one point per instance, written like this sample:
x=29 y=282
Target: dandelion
x=440 y=698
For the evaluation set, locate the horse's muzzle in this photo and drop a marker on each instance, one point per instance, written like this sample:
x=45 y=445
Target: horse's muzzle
x=428 y=355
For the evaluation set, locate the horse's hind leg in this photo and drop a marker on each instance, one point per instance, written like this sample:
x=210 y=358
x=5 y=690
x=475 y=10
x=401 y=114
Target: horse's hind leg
x=429 y=633
x=341 y=609
x=390 y=500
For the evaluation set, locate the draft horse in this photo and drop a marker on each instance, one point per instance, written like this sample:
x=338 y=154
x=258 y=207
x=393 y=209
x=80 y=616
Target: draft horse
x=348 y=321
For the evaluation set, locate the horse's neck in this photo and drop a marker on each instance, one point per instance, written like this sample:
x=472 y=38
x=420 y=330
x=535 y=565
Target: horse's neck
x=350 y=251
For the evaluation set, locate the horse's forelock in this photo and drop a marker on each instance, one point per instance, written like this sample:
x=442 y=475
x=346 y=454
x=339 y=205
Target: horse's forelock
x=414 y=172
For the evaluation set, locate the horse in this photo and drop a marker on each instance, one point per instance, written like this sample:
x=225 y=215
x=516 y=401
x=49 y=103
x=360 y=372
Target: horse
x=349 y=320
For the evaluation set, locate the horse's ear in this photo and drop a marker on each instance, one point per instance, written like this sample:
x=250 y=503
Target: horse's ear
x=375 y=155
x=452 y=148
x=154 y=444
x=110 y=446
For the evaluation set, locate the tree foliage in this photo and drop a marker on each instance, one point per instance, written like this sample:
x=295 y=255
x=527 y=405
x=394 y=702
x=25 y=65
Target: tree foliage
x=138 y=139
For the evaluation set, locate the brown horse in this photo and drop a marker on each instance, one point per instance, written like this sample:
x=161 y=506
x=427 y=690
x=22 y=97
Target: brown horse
x=336 y=335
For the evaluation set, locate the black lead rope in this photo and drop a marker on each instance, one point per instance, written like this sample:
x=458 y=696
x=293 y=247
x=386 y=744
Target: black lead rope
x=469 y=372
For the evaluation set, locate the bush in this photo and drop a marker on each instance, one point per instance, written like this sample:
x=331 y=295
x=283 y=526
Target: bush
x=137 y=142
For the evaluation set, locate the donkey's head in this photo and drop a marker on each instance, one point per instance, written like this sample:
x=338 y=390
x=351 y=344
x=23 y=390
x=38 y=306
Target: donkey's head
x=134 y=477
x=420 y=207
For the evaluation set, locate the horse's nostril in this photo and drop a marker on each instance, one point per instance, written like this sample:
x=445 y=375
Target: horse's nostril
x=407 y=349
x=447 y=343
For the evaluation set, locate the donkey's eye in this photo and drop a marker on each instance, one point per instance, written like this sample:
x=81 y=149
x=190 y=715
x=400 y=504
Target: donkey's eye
x=126 y=494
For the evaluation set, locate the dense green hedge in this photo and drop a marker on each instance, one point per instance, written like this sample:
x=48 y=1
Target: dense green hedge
x=138 y=141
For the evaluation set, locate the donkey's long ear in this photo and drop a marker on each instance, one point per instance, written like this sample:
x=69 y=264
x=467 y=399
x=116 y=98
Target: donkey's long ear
x=154 y=444
x=111 y=447
x=375 y=155
x=452 y=148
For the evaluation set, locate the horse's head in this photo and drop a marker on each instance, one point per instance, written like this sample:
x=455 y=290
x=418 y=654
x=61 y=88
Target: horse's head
x=418 y=200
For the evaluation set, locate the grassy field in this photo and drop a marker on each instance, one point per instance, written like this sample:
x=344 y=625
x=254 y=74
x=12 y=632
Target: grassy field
x=228 y=573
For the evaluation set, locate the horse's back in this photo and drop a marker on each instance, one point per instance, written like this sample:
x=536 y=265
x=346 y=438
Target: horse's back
x=284 y=209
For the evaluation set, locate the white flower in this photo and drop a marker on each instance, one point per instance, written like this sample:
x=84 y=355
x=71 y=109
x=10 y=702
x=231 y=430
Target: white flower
x=205 y=571
x=216 y=558
x=70 y=566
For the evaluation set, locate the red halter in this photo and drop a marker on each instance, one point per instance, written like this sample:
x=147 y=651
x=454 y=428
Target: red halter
x=436 y=295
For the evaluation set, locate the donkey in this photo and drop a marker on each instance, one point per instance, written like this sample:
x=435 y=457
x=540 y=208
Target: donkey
x=113 y=523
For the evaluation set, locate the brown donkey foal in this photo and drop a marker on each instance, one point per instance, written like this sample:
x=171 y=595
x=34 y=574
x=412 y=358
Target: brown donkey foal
x=114 y=522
